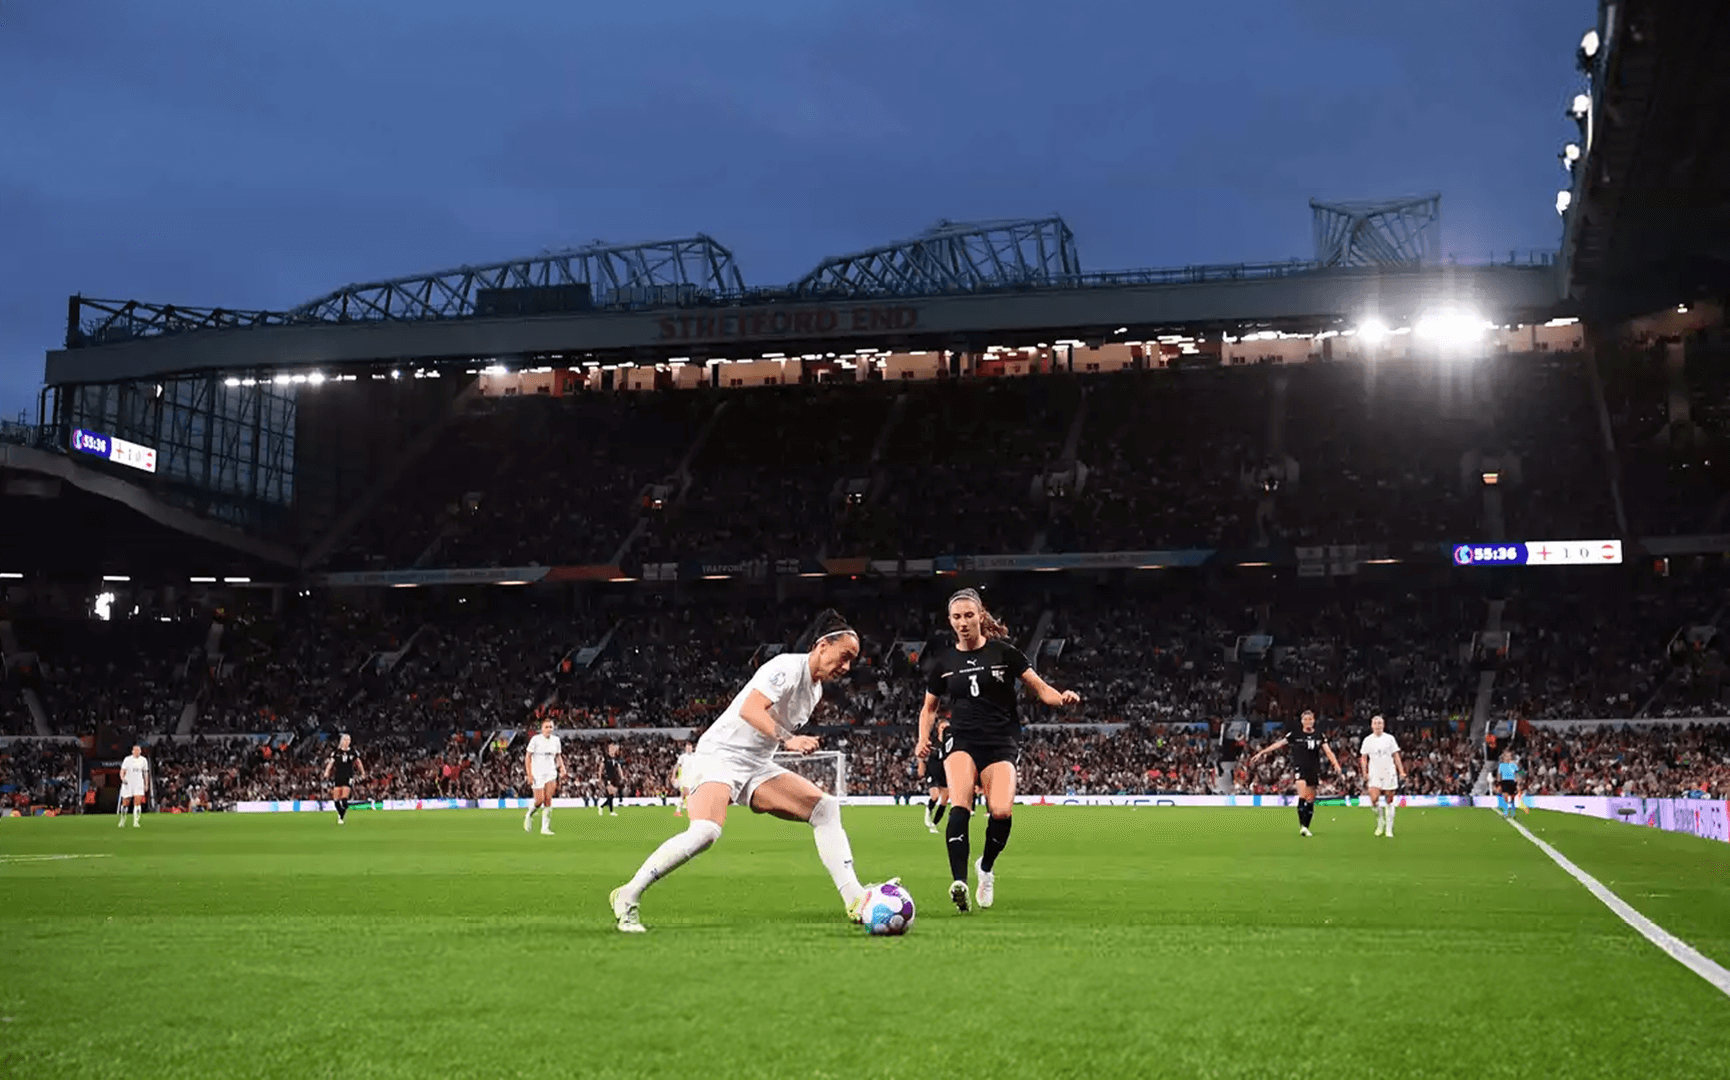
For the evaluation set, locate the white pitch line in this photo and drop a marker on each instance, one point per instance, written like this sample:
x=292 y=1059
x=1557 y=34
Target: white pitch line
x=1680 y=951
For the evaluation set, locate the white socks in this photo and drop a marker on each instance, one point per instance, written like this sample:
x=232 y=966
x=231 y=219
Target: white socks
x=678 y=850
x=1388 y=816
x=135 y=815
x=834 y=849
x=547 y=817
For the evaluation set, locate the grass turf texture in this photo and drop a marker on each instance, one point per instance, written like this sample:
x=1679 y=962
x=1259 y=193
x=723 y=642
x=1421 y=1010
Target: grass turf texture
x=1125 y=942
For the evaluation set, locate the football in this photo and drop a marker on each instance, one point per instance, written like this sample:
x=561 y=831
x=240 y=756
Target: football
x=888 y=909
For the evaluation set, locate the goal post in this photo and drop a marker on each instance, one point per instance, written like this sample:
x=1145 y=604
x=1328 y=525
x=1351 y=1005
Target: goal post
x=825 y=768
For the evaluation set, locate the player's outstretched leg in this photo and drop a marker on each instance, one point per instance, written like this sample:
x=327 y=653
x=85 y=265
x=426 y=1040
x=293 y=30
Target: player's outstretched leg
x=836 y=851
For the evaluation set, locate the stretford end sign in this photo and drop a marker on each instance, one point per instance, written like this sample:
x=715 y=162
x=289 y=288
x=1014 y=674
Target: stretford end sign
x=746 y=324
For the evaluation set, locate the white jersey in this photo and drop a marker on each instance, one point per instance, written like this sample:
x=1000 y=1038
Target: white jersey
x=793 y=695
x=544 y=755
x=1380 y=749
x=134 y=772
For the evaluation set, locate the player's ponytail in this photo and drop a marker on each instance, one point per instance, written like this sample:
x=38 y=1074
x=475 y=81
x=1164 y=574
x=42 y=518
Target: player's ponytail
x=989 y=625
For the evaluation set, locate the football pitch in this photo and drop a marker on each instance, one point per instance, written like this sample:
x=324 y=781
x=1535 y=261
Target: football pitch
x=1152 y=942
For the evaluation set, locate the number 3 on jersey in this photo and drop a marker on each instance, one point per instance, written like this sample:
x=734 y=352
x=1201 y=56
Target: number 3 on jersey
x=973 y=685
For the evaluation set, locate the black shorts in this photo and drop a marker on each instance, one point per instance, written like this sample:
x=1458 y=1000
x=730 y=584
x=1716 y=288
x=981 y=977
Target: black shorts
x=339 y=780
x=935 y=776
x=1312 y=777
x=983 y=751
x=1509 y=787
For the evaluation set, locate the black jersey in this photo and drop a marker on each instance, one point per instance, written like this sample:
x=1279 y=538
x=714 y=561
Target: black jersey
x=1306 y=751
x=613 y=770
x=342 y=763
x=982 y=689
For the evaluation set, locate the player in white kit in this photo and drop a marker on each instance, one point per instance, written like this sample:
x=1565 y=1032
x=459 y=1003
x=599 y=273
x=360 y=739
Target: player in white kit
x=545 y=764
x=734 y=763
x=134 y=785
x=1379 y=759
x=680 y=784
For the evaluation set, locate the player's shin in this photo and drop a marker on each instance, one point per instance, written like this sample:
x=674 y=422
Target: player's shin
x=834 y=849
x=996 y=837
x=672 y=854
x=956 y=834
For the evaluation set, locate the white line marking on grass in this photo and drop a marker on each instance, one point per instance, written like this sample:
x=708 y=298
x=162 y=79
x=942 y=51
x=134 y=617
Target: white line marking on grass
x=48 y=858
x=1679 y=950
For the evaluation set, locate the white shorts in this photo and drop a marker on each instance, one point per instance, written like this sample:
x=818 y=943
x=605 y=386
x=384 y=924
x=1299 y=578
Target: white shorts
x=741 y=775
x=131 y=791
x=1386 y=781
x=541 y=779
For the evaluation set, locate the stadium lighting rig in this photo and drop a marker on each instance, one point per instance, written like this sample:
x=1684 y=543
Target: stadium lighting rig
x=1451 y=329
x=1373 y=332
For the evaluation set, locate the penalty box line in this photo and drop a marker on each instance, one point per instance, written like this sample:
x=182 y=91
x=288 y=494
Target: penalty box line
x=1680 y=951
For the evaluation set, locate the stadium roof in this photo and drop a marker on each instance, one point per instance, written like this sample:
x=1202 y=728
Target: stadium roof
x=1648 y=216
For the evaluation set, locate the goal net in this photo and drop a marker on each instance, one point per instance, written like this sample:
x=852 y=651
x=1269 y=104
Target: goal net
x=825 y=768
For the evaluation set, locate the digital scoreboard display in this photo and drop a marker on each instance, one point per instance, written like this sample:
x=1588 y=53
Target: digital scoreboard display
x=1540 y=553
x=119 y=451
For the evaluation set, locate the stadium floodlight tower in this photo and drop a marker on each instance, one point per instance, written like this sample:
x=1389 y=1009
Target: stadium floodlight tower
x=953 y=257
x=1403 y=232
x=599 y=275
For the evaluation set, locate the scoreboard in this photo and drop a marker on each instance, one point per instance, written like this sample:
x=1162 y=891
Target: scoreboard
x=1539 y=553
x=119 y=451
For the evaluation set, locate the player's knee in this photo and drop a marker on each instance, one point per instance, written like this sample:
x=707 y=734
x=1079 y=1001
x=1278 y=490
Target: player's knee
x=705 y=833
x=827 y=810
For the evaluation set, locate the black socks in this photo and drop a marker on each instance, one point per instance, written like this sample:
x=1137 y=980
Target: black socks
x=996 y=835
x=1306 y=812
x=957 y=837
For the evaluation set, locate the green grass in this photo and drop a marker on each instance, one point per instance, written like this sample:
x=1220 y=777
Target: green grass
x=1680 y=882
x=1163 y=942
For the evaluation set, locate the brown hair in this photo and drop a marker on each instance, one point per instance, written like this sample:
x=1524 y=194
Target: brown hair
x=988 y=623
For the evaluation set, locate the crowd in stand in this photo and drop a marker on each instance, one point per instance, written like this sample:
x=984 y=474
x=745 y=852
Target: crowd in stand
x=1180 y=646
x=215 y=773
x=1297 y=454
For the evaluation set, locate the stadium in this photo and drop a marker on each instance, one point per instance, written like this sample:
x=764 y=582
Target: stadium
x=595 y=492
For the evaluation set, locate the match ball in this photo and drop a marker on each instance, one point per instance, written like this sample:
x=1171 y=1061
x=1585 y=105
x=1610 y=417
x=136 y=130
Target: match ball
x=888 y=910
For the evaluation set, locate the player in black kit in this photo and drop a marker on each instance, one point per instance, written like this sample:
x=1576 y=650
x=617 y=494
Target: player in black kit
x=937 y=785
x=339 y=770
x=613 y=779
x=978 y=676
x=1307 y=747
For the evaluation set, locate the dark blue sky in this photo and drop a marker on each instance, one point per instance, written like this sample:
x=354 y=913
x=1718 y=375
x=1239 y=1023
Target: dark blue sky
x=254 y=154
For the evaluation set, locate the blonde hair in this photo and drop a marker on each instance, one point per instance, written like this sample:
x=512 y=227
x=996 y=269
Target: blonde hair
x=988 y=623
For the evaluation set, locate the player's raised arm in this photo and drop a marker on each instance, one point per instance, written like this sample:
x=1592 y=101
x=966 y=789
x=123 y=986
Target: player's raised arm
x=1266 y=750
x=1046 y=693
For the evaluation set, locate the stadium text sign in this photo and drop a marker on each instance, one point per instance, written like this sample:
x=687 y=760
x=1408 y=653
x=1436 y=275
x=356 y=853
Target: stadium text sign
x=119 y=451
x=746 y=324
x=1540 y=553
